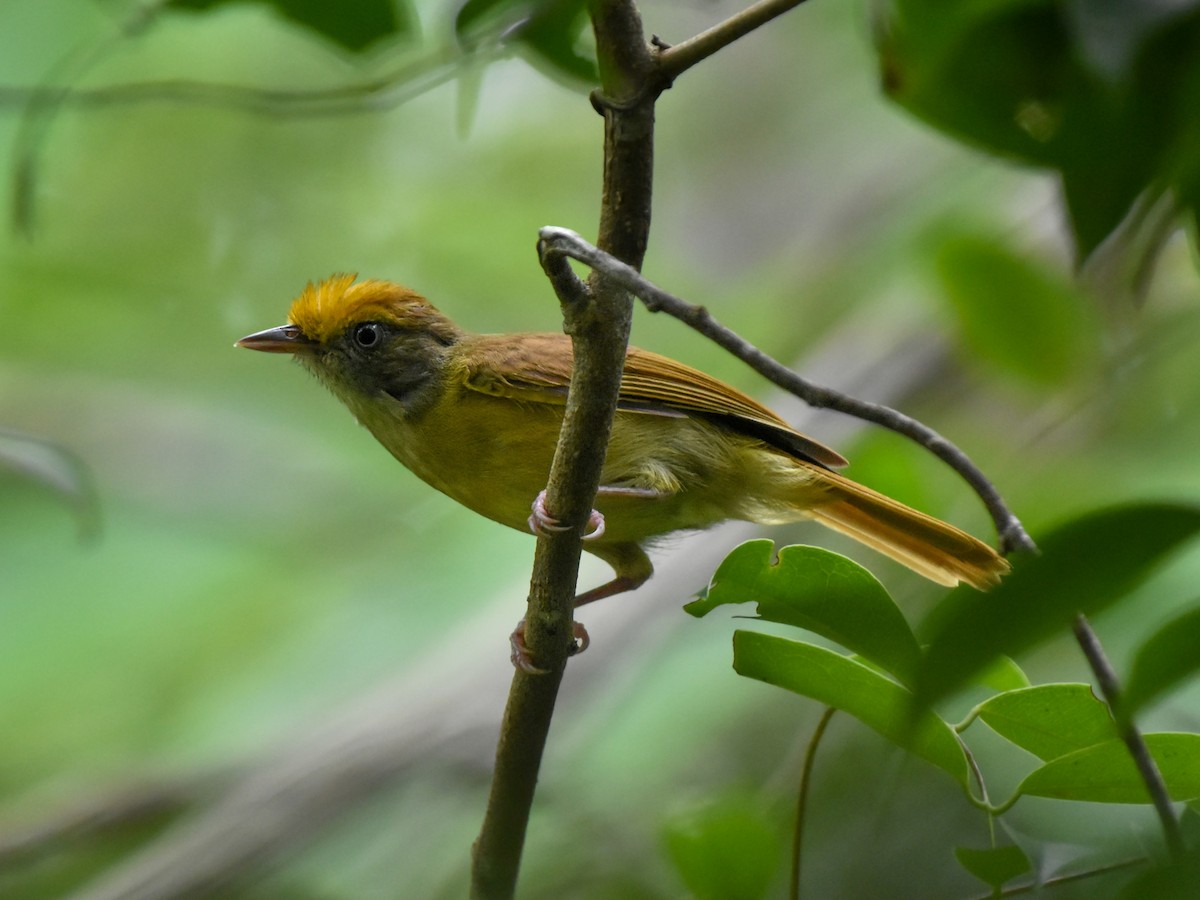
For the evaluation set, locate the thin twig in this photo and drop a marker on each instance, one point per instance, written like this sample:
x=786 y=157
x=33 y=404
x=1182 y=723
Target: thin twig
x=42 y=105
x=810 y=758
x=1011 y=532
x=981 y=802
x=1110 y=688
x=677 y=59
x=398 y=86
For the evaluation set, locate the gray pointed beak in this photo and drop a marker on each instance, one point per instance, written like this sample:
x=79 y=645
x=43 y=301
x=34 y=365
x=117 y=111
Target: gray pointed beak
x=284 y=339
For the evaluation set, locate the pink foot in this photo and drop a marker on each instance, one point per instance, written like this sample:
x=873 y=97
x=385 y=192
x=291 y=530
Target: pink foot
x=542 y=522
x=520 y=652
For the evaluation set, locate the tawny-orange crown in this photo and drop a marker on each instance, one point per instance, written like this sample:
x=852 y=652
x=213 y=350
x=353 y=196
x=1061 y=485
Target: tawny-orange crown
x=326 y=309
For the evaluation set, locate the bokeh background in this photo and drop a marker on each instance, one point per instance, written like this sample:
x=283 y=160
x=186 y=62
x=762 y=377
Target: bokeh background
x=239 y=595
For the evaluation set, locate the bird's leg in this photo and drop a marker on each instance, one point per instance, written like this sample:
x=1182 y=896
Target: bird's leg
x=520 y=651
x=618 y=585
x=579 y=634
x=632 y=567
x=542 y=521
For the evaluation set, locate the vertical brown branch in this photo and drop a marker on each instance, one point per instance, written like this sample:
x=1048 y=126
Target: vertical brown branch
x=598 y=323
x=632 y=76
x=626 y=100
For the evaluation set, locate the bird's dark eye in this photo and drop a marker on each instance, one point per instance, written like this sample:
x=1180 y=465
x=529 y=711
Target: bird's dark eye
x=368 y=334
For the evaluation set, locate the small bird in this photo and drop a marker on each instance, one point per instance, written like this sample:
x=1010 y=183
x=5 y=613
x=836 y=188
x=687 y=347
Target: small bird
x=477 y=416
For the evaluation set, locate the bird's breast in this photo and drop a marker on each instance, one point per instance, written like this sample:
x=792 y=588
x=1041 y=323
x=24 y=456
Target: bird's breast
x=491 y=455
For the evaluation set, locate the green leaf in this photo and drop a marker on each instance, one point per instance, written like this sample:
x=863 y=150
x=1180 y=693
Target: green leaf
x=1112 y=50
x=1171 y=880
x=1105 y=773
x=54 y=467
x=995 y=865
x=352 y=24
x=1165 y=659
x=1049 y=720
x=1085 y=566
x=469 y=86
x=820 y=591
x=478 y=17
x=1103 y=93
x=834 y=680
x=1189 y=825
x=725 y=850
x=552 y=32
x=988 y=72
x=1003 y=674
x=554 y=37
x=1012 y=313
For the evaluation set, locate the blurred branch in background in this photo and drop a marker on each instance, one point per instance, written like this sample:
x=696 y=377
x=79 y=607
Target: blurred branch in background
x=39 y=105
x=133 y=807
x=384 y=92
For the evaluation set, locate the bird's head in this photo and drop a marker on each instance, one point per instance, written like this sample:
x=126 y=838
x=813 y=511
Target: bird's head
x=369 y=342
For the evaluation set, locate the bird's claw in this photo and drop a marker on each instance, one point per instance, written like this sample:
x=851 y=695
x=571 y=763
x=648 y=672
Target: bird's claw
x=542 y=522
x=520 y=651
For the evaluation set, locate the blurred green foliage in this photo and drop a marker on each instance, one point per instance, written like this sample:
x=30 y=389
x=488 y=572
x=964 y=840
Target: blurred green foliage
x=1084 y=566
x=725 y=850
x=261 y=564
x=998 y=296
x=352 y=24
x=1102 y=92
x=995 y=865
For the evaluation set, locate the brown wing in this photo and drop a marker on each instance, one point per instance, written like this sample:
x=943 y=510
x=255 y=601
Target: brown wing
x=536 y=368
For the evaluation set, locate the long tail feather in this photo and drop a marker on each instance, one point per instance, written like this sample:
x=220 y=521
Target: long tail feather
x=928 y=546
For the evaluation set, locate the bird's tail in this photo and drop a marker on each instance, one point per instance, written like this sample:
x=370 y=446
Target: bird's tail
x=928 y=546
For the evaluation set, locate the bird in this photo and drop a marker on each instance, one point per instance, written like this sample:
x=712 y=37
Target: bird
x=477 y=417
